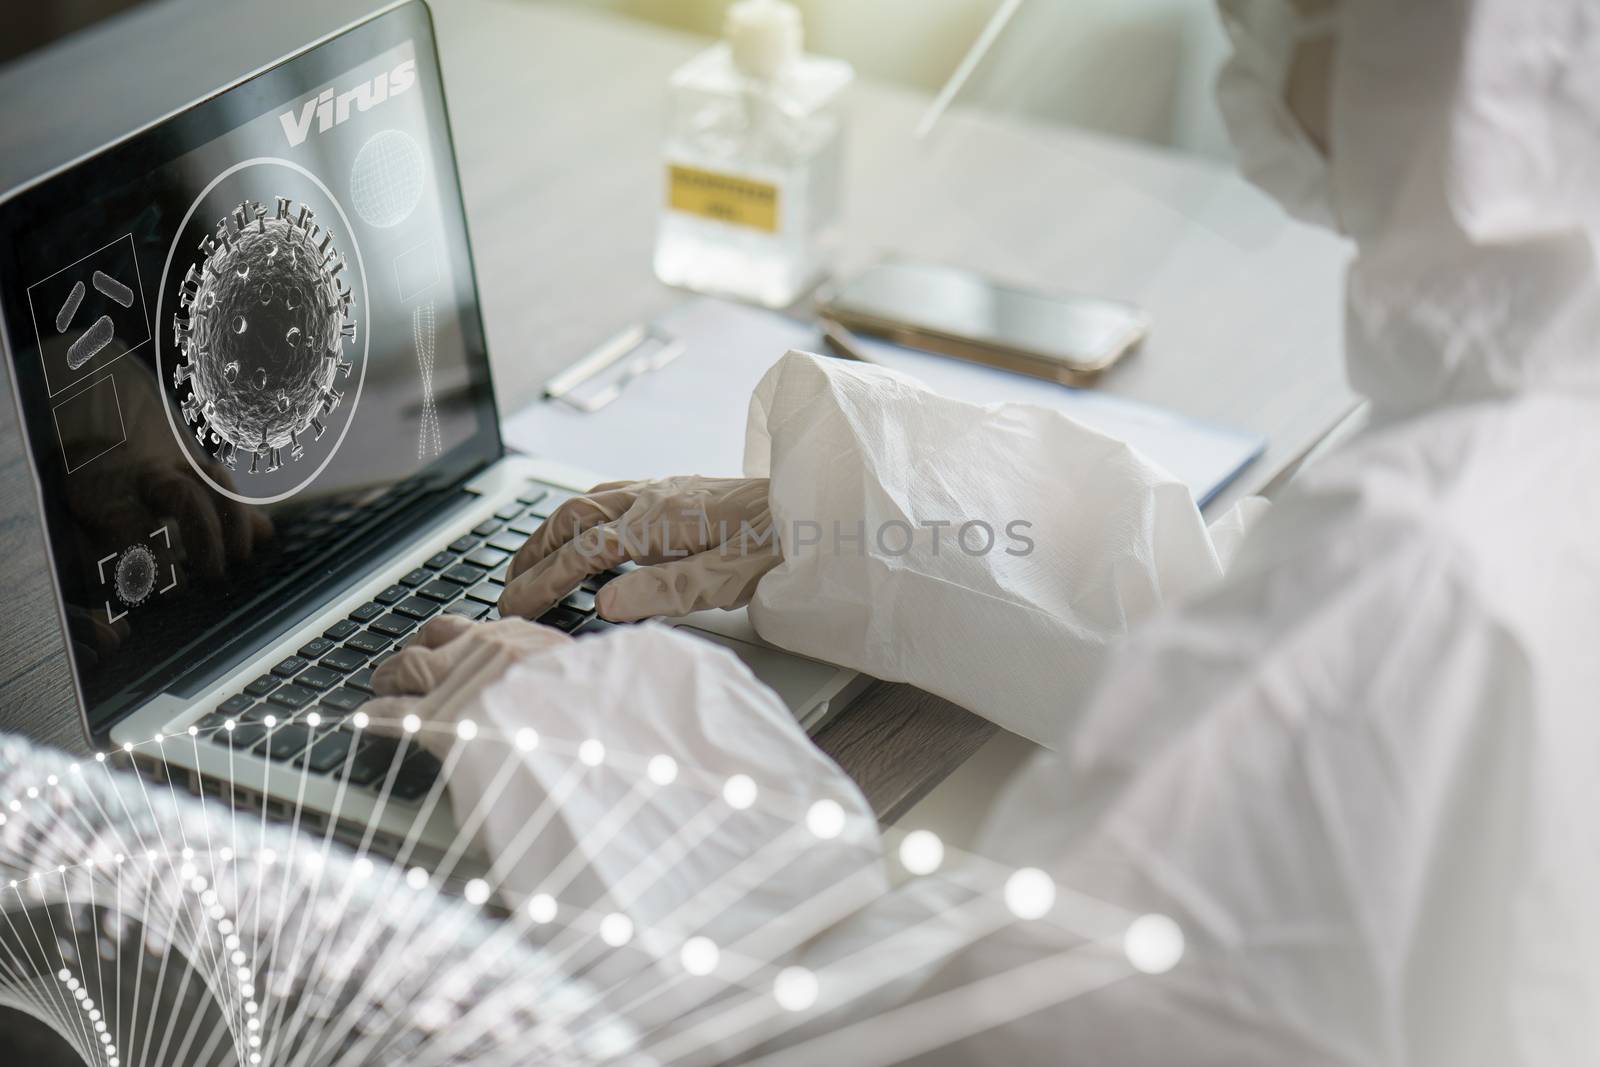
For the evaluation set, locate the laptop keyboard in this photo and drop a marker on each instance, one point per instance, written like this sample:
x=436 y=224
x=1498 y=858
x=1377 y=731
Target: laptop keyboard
x=331 y=675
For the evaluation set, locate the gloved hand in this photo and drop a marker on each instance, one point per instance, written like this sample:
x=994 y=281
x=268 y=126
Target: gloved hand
x=443 y=672
x=704 y=543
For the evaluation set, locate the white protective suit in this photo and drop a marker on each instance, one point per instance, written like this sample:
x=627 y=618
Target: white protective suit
x=1361 y=769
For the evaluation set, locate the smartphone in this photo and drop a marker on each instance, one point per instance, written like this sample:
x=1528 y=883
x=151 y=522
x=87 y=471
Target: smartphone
x=963 y=314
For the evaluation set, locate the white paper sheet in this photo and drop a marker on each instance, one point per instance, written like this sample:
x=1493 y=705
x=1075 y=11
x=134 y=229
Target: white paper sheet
x=688 y=418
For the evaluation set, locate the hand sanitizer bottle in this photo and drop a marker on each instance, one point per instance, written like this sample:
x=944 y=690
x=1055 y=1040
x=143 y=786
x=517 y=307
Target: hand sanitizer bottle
x=753 y=155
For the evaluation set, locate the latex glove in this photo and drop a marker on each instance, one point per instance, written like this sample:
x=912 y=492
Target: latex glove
x=705 y=542
x=442 y=673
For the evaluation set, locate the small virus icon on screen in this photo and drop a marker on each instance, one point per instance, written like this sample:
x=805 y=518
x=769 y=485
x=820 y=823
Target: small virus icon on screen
x=263 y=322
x=136 y=575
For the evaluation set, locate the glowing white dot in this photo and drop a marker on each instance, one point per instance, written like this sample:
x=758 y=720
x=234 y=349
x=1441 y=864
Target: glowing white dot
x=252 y=1023
x=362 y=867
x=663 y=770
x=238 y=957
x=119 y=857
x=313 y=719
x=187 y=853
x=50 y=779
x=99 y=757
x=228 y=724
x=1030 y=893
x=417 y=878
x=127 y=746
x=270 y=721
x=61 y=869
x=542 y=908
x=466 y=729
x=150 y=854
x=15 y=805
x=592 y=753
x=527 y=739
x=411 y=724
x=921 y=852
x=268 y=857
x=700 y=955
x=226 y=854
x=826 y=819
x=194 y=731
x=739 y=791
x=33 y=792
x=476 y=892
x=360 y=720
x=795 y=989
x=63 y=973
x=231 y=942
x=244 y=974
x=73 y=767
x=158 y=739
x=186 y=872
x=1153 y=944
x=616 y=929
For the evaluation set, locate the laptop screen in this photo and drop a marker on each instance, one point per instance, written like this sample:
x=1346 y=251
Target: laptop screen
x=247 y=354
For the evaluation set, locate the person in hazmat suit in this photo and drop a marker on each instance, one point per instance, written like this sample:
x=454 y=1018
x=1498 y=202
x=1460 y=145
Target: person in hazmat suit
x=1346 y=745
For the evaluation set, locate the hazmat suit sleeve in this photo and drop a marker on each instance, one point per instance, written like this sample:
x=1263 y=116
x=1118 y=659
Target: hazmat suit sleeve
x=989 y=554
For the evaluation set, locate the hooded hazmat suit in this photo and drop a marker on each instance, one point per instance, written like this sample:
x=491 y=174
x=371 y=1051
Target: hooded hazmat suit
x=1355 y=759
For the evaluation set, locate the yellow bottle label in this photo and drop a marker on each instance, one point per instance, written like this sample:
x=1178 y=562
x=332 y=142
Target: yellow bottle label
x=725 y=197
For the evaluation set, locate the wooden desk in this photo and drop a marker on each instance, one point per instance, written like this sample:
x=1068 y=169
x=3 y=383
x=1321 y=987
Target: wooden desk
x=557 y=118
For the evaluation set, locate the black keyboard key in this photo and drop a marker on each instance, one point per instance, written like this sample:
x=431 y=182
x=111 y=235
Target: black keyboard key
x=367 y=612
x=368 y=642
x=510 y=511
x=392 y=595
x=345 y=700
x=319 y=678
x=533 y=495
x=374 y=757
x=486 y=592
x=361 y=680
x=385 y=658
x=391 y=625
x=243 y=737
x=256 y=712
x=464 y=543
x=293 y=696
x=442 y=591
x=316 y=648
x=344 y=660
x=507 y=542
x=329 y=752
x=486 y=527
x=417 y=607
x=527 y=526
x=439 y=561
x=579 y=600
x=552 y=500
x=487 y=558
x=234 y=705
x=468 y=609
x=288 y=741
x=290 y=667
x=498 y=575
x=340 y=630
x=417 y=775
x=210 y=724
x=597 y=625
x=563 y=618
x=261 y=686
x=412 y=579
x=462 y=574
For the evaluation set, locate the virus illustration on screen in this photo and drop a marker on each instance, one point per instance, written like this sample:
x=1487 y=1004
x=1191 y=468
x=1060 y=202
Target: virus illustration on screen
x=263 y=321
x=136 y=575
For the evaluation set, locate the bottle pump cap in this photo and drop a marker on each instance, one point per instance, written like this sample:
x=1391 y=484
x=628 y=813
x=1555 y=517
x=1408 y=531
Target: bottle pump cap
x=763 y=35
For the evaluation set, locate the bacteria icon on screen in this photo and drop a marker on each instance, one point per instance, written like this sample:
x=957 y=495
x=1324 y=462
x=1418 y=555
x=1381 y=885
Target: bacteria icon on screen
x=263 y=321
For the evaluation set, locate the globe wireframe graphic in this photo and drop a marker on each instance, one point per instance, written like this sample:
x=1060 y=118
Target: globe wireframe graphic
x=386 y=179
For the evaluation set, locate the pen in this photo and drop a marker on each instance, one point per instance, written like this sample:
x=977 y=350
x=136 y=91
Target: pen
x=842 y=343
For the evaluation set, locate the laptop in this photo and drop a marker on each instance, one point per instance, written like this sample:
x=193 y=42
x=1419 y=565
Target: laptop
x=248 y=359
